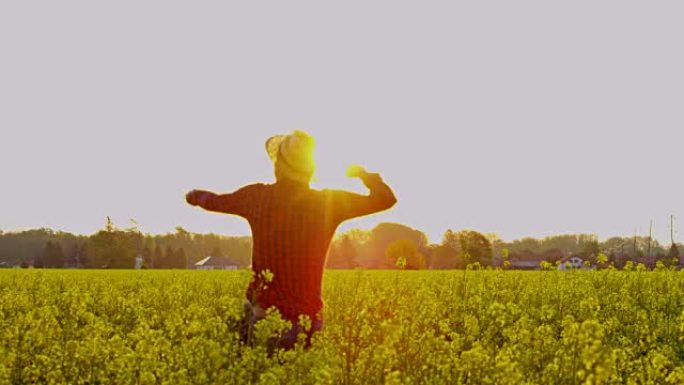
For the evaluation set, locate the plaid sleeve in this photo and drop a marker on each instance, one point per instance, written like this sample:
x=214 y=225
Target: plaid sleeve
x=346 y=205
x=240 y=202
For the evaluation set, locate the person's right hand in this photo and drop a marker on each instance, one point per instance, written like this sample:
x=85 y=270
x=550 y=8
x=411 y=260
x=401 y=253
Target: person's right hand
x=193 y=197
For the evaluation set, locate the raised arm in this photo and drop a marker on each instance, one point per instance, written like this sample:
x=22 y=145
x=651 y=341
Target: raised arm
x=346 y=205
x=239 y=202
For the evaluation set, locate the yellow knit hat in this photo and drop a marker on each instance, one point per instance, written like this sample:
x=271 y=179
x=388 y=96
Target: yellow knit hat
x=293 y=155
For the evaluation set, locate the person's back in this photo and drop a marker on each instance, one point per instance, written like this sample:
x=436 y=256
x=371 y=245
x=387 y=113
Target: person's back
x=291 y=237
x=293 y=225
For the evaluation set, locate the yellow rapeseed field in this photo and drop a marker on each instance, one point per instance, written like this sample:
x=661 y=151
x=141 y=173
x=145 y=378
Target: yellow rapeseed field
x=381 y=327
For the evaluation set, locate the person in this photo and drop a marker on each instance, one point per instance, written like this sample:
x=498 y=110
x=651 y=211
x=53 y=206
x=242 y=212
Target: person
x=292 y=228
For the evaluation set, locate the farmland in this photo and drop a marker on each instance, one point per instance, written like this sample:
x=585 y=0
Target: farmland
x=394 y=327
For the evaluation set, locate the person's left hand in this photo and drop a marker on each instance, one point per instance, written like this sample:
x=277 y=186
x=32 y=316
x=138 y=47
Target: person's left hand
x=356 y=171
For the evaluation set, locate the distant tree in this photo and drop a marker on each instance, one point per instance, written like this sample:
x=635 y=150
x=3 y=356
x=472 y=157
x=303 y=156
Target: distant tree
x=632 y=247
x=540 y=248
x=39 y=261
x=476 y=246
x=358 y=237
x=382 y=236
x=74 y=257
x=217 y=252
x=471 y=246
x=147 y=255
x=444 y=257
x=113 y=248
x=53 y=255
x=169 y=258
x=590 y=248
x=450 y=238
x=553 y=255
x=567 y=243
x=57 y=259
x=182 y=233
x=239 y=250
x=83 y=259
x=174 y=259
x=158 y=258
x=525 y=245
x=617 y=247
x=342 y=254
x=180 y=260
x=404 y=254
x=28 y=245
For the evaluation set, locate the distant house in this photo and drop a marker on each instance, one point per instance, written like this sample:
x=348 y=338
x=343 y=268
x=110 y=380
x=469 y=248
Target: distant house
x=524 y=264
x=528 y=260
x=215 y=263
x=571 y=262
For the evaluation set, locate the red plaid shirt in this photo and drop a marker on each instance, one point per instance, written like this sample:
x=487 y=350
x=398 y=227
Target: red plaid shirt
x=292 y=227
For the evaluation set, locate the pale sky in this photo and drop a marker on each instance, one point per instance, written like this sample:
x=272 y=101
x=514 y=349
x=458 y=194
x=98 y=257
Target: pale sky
x=520 y=118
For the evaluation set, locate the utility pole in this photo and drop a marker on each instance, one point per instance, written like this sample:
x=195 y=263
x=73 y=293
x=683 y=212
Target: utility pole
x=672 y=229
x=635 y=245
x=674 y=249
x=650 y=236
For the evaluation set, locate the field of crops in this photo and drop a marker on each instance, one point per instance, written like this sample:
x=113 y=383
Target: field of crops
x=393 y=327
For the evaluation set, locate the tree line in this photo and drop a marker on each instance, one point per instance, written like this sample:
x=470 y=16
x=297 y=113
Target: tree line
x=115 y=247
x=387 y=246
x=391 y=245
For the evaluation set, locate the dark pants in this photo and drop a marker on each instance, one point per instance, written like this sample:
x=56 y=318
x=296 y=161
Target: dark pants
x=287 y=340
